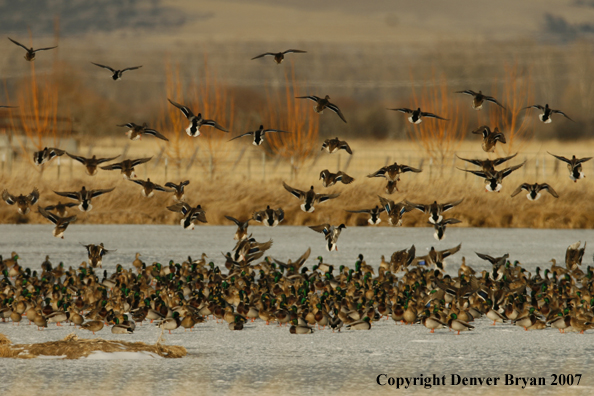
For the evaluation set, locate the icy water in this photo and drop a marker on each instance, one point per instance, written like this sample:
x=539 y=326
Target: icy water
x=267 y=359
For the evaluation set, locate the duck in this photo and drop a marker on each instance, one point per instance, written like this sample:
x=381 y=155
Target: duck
x=92 y=326
x=574 y=165
x=416 y=116
x=84 y=197
x=279 y=56
x=95 y=254
x=16 y=317
x=547 y=112
x=323 y=103
x=121 y=329
x=331 y=234
x=435 y=210
x=258 y=135
x=437 y=257
x=46 y=155
x=60 y=208
x=374 y=214
x=534 y=190
x=333 y=145
x=117 y=74
x=242 y=227
x=136 y=131
x=179 y=193
x=329 y=179
x=494 y=180
x=57 y=317
x=149 y=188
x=137 y=263
x=440 y=227
x=23 y=202
x=39 y=320
x=269 y=217
x=193 y=130
x=30 y=55
x=127 y=166
x=192 y=215
x=297 y=328
x=432 y=322
x=394 y=210
x=237 y=323
x=490 y=138
x=309 y=198
x=478 y=99
x=401 y=259
x=488 y=165
x=170 y=323
x=574 y=255
x=392 y=174
x=364 y=324
x=458 y=325
x=92 y=163
x=61 y=223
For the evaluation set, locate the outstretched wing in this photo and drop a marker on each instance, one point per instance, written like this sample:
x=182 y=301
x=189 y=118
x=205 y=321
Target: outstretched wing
x=50 y=216
x=215 y=124
x=8 y=198
x=296 y=193
x=45 y=49
x=34 y=196
x=296 y=51
x=562 y=113
x=310 y=97
x=379 y=173
x=507 y=171
x=403 y=110
x=545 y=186
x=431 y=115
x=131 y=68
x=96 y=193
x=19 y=44
x=155 y=134
x=534 y=107
x=187 y=112
x=523 y=186
x=406 y=168
x=499 y=161
x=103 y=66
x=323 y=228
x=449 y=252
x=560 y=158
x=325 y=197
x=335 y=109
x=467 y=92
x=242 y=135
x=263 y=55
x=483 y=129
x=450 y=205
x=493 y=100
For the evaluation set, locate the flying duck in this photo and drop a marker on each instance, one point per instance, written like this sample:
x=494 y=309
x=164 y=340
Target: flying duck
x=179 y=189
x=46 y=155
x=309 y=198
x=323 y=103
x=149 y=188
x=84 y=197
x=269 y=217
x=395 y=210
x=196 y=122
x=333 y=145
x=546 y=113
x=374 y=214
x=95 y=254
x=330 y=179
x=534 y=190
x=494 y=180
x=136 y=131
x=242 y=227
x=435 y=210
x=61 y=208
x=478 y=98
x=60 y=222
x=127 y=166
x=440 y=227
x=91 y=163
x=279 y=56
x=191 y=214
x=437 y=257
x=416 y=116
x=488 y=165
x=23 y=202
x=30 y=55
x=392 y=174
x=490 y=138
x=117 y=74
x=258 y=135
x=574 y=165
x=331 y=233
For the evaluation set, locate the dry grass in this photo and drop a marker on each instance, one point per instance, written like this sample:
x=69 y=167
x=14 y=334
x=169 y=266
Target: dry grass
x=234 y=193
x=72 y=347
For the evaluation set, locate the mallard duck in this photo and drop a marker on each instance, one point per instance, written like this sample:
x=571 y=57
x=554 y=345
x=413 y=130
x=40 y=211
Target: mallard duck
x=57 y=317
x=580 y=325
x=237 y=323
x=323 y=103
x=561 y=322
x=92 y=326
x=46 y=155
x=60 y=208
x=247 y=249
x=309 y=198
x=364 y=324
x=149 y=188
x=488 y=165
x=392 y=174
x=279 y=56
x=435 y=210
x=534 y=190
x=191 y=214
x=91 y=163
x=61 y=222
x=410 y=313
x=15 y=317
x=258 y=135
x=242 y=227
x=40 y=321
x=170 y=323
x=374 y=214
x=574 y=165
x=84 y=197
x=478 y=98
x=490 y=138
x=269 y=217
x=196 y=122
x=136 y=131
x=432 y=322
x=437 y=257
x=333 y=145
x=179 y=189
x=494 y=180
x=121 y=329
x=458 y=325
x=401 y=259
x=331 y=234
x=95 y=254
x=297 y=328
x=23 y=202
x=574 y=255
x=127 y=166
x=547 y=112
x=116 y=74
x=329 y=179
x=30 y=55
x=395 y=210
x=416 y=116
x=440 y=227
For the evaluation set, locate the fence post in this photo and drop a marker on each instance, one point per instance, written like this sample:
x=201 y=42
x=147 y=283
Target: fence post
x=166 y=166
x=263 y=165
x=58 y=168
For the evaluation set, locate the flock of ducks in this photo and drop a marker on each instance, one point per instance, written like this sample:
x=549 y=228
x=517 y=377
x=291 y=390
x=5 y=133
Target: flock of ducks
x=184 y=294
x=406 y=288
